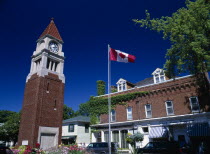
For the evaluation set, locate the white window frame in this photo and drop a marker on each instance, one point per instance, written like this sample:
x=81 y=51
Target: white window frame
x=157 y=74
x=71 y=128
x=129 y=113
x=194 y=111
x=148 y=110
x=113 y=120
x=121 y=85
x=168 y=107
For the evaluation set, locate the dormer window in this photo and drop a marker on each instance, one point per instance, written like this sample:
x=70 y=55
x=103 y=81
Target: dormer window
x=121 y=85
x=158 y=75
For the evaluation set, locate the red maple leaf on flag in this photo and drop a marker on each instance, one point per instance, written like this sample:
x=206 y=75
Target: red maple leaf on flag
x=122 y=55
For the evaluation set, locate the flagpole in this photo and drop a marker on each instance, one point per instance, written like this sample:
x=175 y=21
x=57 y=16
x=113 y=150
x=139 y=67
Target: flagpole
x=109 y=98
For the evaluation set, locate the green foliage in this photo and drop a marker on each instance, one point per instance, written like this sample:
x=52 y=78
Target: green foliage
x=138 y=137
x=188 y=30
x=68 y=112
x=94 y=119
x=129 y=139
x=132 y=139
x=113 y=89
x=22 y=148
x=101 y=87
x=84 y=109
x=9 y=131
x=4 y=114
x=93 y=130
x=99 y=105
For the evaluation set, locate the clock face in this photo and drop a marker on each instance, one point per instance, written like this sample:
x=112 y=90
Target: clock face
x=53 y=47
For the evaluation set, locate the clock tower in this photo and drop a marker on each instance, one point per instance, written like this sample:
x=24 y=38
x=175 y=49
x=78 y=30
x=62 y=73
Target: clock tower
x=42 y=110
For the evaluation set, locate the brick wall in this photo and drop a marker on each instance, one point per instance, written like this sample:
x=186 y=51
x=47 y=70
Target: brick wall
x=177 y=91
x=41 y=96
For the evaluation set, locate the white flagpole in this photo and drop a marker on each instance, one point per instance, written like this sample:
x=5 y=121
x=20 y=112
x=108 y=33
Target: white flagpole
x=109 y=98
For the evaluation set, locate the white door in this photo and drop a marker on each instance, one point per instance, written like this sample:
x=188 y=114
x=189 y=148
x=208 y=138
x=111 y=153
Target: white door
x=47 y=141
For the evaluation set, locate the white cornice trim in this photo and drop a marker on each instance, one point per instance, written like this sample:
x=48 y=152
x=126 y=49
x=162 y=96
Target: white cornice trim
x=121 y=79
x=44 y=72
x=154 y=119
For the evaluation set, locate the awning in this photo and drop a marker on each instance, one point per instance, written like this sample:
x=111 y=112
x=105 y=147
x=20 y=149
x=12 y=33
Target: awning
x=68 y=137
x=158 y=132
x=198 y=129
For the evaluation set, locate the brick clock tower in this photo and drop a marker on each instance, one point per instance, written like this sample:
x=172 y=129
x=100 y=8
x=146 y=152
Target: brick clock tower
x=42 y=111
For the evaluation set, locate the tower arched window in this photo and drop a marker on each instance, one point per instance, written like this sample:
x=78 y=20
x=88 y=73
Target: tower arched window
x=52 y=65
x=48 y=86
x=55 y=105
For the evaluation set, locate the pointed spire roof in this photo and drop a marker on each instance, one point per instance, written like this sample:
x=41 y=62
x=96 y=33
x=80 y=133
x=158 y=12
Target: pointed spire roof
x=52 y=31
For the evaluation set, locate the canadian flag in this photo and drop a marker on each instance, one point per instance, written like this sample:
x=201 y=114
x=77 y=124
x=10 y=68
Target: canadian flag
x=117 y=55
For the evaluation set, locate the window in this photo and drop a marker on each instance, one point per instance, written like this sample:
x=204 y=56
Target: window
x=115 y=136
x=157 y=78
x=48 y=84
x=129 y=113
x=158 y=75
x=86 y=128
x=194 y=104
x=55 y=103
x=169 y=108
x=106 y=136
x=52 y=65
x=37 y=65
x=148 y=110
x=123 y=135
x=71 y=128
x=145 y=129
x=113 y=115
x=121 y=85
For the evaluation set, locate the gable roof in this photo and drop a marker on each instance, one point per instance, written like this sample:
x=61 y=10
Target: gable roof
x=78 y=119
x=51 y=30
x=157 y=69
x=146 y=81
x=121 y=79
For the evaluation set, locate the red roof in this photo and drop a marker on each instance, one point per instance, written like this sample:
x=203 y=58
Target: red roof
x=51 y=30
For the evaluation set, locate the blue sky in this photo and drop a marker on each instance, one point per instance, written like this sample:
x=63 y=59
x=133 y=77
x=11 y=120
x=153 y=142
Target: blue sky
x=87 y=27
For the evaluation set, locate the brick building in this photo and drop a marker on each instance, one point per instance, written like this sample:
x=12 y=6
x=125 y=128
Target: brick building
x=174 y=109
x=42 y=110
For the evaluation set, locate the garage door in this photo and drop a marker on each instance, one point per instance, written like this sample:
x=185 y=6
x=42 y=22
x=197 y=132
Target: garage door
x=47 y=141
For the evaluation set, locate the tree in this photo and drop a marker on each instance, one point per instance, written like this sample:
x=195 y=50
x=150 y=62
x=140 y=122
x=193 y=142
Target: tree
x=84 y=109
x=101 y=87
x=132 y=139
x=4 y=114
x=68 y=112
x=9 y=131
x=188 y=30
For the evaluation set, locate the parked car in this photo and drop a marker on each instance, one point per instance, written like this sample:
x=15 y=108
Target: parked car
x=5 y=150
x=160 y=147
x=102 y=148
x=186 y=149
